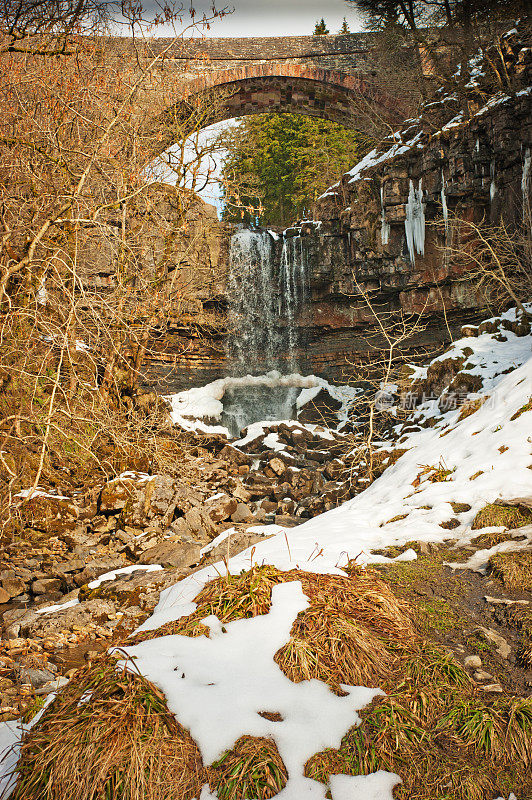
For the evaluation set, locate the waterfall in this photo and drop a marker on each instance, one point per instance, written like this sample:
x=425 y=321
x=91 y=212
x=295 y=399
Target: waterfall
x=266 y=293
x=293 y=291
x=255 y=339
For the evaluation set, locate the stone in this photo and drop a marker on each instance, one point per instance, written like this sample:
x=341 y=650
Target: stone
x=242 y=513
x=12 y=584
x=502 y=646
x=35 y=677
x=221 y=509
x=473 y=662
x=173 y=554
x=4 y=596
x=200 y=525
x=481 y=675
x=491 y=687
x=52 y=686
x=268 y=506
x=116 y=493
x=278 y=466
x=46 y=585
x=241 y=493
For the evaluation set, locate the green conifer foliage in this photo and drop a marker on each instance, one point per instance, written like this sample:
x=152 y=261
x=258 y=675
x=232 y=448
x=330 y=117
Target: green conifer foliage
x=281 y=163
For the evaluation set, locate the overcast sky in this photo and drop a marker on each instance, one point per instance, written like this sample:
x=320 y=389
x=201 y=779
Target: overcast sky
x=275 y=17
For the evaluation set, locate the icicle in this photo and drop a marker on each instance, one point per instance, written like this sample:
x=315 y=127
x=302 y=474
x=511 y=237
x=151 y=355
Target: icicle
x=385 y=226
x=493 y=185
x=42 y=294
x=526 y=179
x=415 y=222
x=445 y=209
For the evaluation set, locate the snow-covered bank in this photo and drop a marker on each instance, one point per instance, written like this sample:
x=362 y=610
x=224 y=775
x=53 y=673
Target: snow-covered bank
x=470 y=460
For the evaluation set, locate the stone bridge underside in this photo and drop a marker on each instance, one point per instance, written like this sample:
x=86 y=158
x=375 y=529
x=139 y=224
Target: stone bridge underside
x=332 y=77
x=281 y=87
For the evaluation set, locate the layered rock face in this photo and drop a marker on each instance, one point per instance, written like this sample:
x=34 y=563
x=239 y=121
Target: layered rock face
x=393 y=240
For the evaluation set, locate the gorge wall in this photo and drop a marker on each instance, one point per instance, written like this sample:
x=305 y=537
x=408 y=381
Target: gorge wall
x=394 y=230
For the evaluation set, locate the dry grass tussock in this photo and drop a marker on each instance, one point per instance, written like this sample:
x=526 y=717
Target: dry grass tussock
x=514 y=569
x=444 y=740
x=252 y=769
x=433 y=727
x=349 y=634
x=109 y=734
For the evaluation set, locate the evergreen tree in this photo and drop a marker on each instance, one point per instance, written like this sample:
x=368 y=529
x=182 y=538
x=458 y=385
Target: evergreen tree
x=345 y=27
x=444 y=35
x=281 y=163
x=320 y=29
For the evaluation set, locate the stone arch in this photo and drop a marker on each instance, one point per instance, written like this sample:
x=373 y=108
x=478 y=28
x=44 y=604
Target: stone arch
x=282 y=87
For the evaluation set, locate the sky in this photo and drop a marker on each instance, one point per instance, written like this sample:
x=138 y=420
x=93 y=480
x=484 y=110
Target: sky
x=273 y=17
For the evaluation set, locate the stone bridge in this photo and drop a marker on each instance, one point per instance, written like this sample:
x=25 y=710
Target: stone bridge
x=331 y=77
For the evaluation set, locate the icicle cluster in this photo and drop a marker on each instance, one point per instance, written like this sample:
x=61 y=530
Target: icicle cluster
x=385 y=225
x=415 y=222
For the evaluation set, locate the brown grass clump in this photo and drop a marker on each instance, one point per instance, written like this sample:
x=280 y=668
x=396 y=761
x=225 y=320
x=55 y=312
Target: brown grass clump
x=495 y=515
x=252 y=769
x=514 y=569
x=522 y=410
x=184 y=626
x=335 y=651
x=349 y=633
x=433 y=731
x=470 y=407
x=109 y=734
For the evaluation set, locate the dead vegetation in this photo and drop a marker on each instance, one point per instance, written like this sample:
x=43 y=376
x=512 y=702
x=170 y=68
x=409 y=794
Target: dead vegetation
x=434 y=727
x=498 y=514
x=109 y=734
x=252 y=769
x=514 y=569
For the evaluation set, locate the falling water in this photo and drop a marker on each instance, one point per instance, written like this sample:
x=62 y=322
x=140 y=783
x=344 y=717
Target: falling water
x=266 y=294
x=253 y=302
x=292 y=295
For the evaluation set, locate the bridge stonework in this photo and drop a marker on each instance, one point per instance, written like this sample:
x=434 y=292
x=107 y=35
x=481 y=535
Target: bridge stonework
x=331 y=77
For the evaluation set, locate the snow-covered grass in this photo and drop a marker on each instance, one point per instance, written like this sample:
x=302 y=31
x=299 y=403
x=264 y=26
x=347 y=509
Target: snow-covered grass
x=473 y=457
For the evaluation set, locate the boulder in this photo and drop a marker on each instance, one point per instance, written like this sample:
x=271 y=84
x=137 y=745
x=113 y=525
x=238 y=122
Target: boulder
x=221 y=509
x=12 y=584
x=46 y=585
x=200 y=525
x=242 y=513
x=179 y=555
